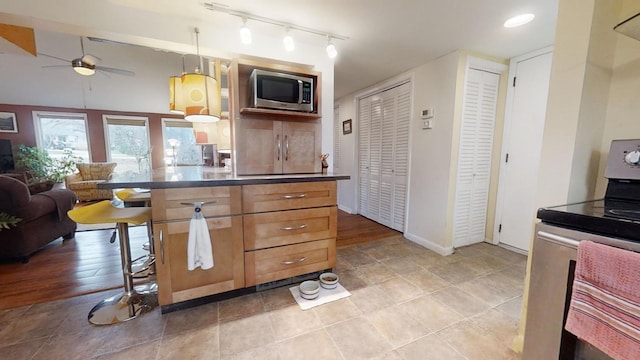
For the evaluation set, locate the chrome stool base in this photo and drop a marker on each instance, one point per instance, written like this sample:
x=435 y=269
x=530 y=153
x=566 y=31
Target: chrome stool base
x=123 y=307
x=143 y=266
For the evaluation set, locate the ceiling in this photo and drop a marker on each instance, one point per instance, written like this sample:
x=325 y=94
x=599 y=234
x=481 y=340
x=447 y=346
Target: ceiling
x=385 y=38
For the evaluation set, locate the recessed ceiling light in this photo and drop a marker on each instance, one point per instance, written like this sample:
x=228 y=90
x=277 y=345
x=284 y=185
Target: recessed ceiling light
x=518 y=20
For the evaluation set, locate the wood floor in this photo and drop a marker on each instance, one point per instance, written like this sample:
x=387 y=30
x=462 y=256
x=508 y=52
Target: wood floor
x=89 y=263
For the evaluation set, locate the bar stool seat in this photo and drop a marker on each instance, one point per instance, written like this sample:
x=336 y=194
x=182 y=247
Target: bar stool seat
x=130 y=195
x=133 y=301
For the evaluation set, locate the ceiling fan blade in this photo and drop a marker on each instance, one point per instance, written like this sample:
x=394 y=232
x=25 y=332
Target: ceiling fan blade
x=54 y=57
x=116 y=71
x=90 y=59
x=55 y=66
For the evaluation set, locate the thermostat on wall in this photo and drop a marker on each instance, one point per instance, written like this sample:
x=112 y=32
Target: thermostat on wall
x=427 y=113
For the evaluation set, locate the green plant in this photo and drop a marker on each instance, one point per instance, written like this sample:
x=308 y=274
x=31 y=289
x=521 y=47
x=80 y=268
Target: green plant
x=42 y=167
x=6 y=220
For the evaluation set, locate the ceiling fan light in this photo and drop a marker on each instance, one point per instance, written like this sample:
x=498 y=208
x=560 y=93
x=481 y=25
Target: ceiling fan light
x=83 y=68
x=519 y=20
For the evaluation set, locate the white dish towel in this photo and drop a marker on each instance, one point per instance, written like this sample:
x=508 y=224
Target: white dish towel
x=199 y=251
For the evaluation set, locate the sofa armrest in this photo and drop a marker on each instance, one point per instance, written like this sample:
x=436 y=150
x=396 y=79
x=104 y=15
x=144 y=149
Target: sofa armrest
x=13 y=193
x=72 y=178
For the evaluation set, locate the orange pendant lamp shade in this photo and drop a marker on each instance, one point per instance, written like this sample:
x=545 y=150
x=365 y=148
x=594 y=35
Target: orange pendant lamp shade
x=202 y=102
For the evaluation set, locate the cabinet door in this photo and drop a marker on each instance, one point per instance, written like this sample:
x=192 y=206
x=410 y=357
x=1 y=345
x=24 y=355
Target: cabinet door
x=259 y=147
x=302 y=145
x=176 y=283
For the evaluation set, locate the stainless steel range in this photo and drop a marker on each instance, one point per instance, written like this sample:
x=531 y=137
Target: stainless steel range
x=613 y=220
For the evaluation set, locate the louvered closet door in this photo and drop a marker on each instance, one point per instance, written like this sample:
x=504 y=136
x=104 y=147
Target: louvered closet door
x=384 y=135
x=474 y=157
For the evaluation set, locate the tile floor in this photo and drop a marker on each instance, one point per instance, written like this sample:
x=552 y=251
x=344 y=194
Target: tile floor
x=407 y=303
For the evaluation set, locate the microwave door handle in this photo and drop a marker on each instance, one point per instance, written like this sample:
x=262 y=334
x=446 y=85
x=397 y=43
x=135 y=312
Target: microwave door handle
x=300 y=86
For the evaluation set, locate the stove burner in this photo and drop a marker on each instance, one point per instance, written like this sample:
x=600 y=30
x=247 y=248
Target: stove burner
x=625 y=213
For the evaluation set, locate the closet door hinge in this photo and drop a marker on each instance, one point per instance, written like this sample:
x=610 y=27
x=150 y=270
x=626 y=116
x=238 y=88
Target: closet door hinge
x=500 y=228
x=514 y=81
x=506 y=158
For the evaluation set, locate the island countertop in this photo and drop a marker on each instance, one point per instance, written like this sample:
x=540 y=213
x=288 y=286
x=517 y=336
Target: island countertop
x=204 y=176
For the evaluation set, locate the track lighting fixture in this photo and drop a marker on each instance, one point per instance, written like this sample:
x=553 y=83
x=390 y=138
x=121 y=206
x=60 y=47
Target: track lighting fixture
x=288 y=41
x=245 y=33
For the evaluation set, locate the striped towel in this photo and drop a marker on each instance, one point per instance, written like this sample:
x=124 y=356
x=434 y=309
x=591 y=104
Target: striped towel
x=605 y=303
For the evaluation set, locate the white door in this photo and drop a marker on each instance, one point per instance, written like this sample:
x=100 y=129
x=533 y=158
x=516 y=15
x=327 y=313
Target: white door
x=474 y=156
x=522 y=143
x=383 y=154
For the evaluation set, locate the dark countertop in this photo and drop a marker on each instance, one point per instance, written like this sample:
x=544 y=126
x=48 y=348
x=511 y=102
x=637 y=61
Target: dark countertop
x=204 y=176
x=595 y=216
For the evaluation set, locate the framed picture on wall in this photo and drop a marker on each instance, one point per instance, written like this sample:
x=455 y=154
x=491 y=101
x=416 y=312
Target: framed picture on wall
x=8 y=122
x=346 y=127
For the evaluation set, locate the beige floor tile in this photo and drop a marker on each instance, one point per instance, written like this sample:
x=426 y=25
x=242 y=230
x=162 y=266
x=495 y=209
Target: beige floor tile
x=474 y=342
x=267 y=352
x=490 y=290
x=356 y=258
x=402 y=265
x=370 y=299
x=128 y=333
x=464 y=303
x=148 y=351
x=240 y=307
x=195 y=344
x=24 y=350
x=358 y=339
x=397 y=325
x=486 y=263
x=429 y=347
x=431 y=313
x=77 y=321
x=374 y=273
x=342 y=264
x=244 y=334
x=292 y=321
x=12 y=314
x=336 y=311
x=501 y=325
x=79 y=345
x=512 y=307
x=311 y=346
x=458 y=271
x=426 y=280
x=191 y=319
x=400 y=289
x=351 y=280
x=277 y=298
x=31 y=326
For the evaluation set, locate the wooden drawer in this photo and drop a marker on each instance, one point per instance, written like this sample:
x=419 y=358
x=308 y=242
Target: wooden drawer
x=167 y=204
x=275 y=197
x=282 y=262
x=271 y=229
x=180 y=284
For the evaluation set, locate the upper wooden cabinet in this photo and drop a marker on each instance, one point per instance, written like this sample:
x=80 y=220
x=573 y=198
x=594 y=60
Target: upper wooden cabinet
x=267 y=141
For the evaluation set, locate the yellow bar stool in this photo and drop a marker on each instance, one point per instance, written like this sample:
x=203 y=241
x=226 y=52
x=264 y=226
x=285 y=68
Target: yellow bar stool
x=132 y=198
x=133 y=301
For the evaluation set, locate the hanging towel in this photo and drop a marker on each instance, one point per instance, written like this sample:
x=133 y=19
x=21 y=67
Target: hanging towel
x=605 y=302
x=199 y=252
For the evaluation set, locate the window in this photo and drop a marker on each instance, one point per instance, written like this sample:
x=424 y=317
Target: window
x=60 y=133
x=179 y=143
x=127 y=139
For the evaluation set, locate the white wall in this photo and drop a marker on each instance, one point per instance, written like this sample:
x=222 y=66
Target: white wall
x=218 y=38
x=434 y=85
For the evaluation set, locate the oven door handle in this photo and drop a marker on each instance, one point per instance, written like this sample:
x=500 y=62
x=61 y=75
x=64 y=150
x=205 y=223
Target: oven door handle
x=560 y=240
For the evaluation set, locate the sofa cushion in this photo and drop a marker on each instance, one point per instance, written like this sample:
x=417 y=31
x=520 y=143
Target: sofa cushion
x=95 y=171
x=39 y=205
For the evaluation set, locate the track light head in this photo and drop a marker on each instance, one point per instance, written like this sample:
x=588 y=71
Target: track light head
x=288 y=41
x=332 y=52
x=245 y=32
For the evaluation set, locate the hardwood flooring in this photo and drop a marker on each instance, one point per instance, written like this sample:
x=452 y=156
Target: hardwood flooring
x=89 y=263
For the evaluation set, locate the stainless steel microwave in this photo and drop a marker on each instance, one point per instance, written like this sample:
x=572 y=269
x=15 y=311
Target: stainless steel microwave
x=274 y=90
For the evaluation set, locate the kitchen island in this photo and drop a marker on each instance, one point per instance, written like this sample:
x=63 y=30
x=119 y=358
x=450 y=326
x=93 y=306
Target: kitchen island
x=265 y=231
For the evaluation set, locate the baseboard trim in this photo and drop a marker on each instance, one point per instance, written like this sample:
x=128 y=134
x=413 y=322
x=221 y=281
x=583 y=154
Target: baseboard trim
x=444 y=251
x=346 y=209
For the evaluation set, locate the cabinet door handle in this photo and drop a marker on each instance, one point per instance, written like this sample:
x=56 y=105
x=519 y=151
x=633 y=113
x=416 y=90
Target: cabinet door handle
x=161 y=246
x=298 y=196
x=286 y=147
x=287 y=228
x=278 y=143
x=291 y=262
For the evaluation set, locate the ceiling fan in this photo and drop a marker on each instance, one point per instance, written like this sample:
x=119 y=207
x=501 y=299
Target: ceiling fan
x=86 y=64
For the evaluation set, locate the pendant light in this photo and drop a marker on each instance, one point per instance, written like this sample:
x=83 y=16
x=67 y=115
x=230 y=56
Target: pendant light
x=201 y=93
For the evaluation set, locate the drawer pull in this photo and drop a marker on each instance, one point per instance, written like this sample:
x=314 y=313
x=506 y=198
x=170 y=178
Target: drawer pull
x=203 y=203
x=298 y=196
x=291 y=262
x=161 y=247
x=287 y=228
